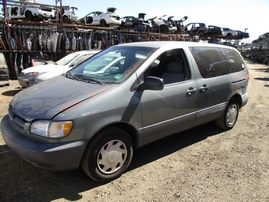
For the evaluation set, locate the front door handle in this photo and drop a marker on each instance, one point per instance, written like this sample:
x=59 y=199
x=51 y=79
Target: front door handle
x=191 y=91
x=204 y=88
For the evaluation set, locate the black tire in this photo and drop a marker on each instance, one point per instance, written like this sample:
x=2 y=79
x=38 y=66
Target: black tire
x=164 y=29
x=228 y=120
x=229 y=35
x=65 y=19
x=28 y=15
x=108 y=155
x=201 y=33
x=134 y=25
x=82 y=22
x=103 y=23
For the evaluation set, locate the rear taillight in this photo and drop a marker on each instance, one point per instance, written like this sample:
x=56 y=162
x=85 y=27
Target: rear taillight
x=248 y=77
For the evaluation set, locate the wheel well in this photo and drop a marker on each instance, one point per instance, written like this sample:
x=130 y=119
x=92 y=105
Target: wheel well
x=238 y=98
x=130 y=130
x=134 y=25
x=164 y=29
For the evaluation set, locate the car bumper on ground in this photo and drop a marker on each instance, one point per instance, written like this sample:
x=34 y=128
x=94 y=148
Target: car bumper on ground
x=49 y=156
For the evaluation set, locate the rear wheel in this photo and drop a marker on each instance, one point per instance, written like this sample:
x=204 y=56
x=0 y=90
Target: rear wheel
x=164 y=29
x=229 y=117
x=229 y=35
x=28 y=15
x=201 y=33
x=65 y=19
x=103 y=23
x=108 y=155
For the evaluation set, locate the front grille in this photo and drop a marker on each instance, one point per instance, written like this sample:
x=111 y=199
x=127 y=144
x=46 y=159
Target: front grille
x=16 y=121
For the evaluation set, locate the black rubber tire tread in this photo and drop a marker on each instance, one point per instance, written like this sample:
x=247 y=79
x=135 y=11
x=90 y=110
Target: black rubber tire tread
x=28 y=15
x=89 y=159
x=221 y=122
x=66 y=19
x=103 y=23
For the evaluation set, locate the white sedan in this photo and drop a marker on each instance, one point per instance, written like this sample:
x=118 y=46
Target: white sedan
x=37 y=74
x=101 y=18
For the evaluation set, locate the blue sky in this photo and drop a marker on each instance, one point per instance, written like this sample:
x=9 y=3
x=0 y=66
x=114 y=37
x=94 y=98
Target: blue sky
x=235 y=14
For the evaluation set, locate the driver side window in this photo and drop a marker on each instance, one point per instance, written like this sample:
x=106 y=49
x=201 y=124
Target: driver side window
x=171 y=66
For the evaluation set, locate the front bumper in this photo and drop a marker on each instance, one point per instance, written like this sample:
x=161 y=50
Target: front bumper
x=49 y=156
x=25 y=82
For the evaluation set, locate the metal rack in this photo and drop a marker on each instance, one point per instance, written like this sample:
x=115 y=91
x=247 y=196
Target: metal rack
x=15 y=32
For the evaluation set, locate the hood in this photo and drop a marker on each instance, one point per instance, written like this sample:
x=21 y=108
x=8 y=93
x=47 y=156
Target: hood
x=49 y=98
x=44 y=68
x=50 y=74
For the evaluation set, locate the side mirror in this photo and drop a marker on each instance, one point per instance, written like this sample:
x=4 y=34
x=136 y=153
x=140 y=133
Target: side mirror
x=73 y=64
x=151 y=83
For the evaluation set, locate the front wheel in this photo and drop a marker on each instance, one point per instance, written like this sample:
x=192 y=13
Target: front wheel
x=108 y=155
x=82 y=22
x=228 y=119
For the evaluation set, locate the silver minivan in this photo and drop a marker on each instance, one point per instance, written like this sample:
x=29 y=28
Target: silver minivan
x=123 y=98
x=4 y=73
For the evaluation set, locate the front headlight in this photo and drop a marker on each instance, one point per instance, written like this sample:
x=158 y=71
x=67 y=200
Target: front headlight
x=51 y=129
x=30 y=75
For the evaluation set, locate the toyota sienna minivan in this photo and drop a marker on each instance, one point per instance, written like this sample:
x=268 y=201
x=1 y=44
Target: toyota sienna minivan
x=4 y=73
x=95 y=115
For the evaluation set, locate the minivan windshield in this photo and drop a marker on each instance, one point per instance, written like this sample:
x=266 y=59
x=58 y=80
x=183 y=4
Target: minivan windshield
x=113 y=65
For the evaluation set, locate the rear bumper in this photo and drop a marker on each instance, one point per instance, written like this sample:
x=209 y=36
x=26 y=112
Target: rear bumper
x=49 y=156
x=244 y=99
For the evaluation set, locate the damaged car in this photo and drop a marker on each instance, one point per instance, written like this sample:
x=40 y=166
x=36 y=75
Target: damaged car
x=104 y=19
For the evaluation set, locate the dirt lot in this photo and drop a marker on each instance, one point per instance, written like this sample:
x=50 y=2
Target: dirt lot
x=202 y=164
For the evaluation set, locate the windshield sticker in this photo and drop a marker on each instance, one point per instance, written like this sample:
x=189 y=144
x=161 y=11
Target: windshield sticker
x=118 y=76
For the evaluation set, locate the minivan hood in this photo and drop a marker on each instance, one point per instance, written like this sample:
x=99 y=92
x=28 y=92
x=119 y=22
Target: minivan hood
x=49 y=98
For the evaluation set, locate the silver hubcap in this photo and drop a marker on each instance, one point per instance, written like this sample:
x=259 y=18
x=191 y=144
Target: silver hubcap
x=112 y=156
x=231 y=115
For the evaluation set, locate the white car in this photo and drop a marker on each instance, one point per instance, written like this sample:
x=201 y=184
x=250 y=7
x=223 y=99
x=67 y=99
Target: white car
x=101 y=18
x=229 y=32
x=30 y=12
x=68 y=14
x=37 y=74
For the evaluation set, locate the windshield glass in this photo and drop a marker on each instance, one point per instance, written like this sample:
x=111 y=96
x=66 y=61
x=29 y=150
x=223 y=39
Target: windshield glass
x=67 y=59
x=113 y=65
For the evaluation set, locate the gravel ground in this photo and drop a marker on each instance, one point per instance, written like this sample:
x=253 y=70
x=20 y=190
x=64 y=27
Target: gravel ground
x=201 y=164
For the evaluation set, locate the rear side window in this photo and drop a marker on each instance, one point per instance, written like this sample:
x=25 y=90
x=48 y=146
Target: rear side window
x=210 y=61
x=234 y=60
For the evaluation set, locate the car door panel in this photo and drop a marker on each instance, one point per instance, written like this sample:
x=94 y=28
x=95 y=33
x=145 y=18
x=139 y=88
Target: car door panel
x=168 y=111
x=212 y=100
x=213 y=81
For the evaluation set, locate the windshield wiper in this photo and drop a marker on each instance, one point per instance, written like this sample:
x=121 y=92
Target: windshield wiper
x=71 y=76
x=95 y=80
x=84 y=78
